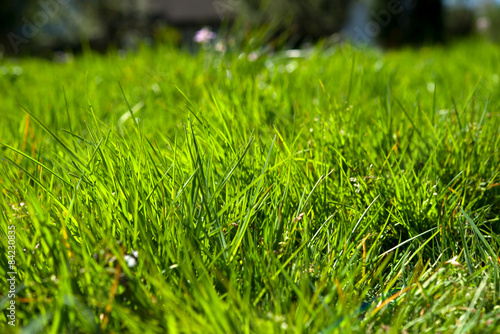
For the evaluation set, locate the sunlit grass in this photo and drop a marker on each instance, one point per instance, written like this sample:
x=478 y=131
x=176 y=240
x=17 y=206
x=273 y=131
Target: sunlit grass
x=335 y=190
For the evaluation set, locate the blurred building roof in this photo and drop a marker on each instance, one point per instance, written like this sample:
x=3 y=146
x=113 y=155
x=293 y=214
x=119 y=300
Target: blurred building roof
x=188 y=11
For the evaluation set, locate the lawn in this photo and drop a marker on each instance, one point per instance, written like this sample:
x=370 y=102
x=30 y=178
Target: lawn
x=332 y=190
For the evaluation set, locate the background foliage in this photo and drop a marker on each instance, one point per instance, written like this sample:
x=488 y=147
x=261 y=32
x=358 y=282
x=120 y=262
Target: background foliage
x=126 y=24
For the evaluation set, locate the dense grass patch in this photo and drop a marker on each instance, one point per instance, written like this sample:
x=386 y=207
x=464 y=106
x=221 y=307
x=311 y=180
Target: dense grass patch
x=324 y=191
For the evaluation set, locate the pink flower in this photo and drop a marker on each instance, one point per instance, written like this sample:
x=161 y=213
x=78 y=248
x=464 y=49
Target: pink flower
x=204 y=35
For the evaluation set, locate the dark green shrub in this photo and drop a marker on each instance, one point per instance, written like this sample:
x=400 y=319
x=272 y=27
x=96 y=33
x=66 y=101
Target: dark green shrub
x=39 y=26
x=312 y=19
x=417 y=23
x=459 y=22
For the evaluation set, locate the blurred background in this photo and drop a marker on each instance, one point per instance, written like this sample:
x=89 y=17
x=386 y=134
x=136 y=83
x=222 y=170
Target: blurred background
x=49 y=27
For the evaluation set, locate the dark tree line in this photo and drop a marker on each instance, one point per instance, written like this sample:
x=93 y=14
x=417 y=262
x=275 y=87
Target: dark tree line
x=399 y=22
x=418 y=22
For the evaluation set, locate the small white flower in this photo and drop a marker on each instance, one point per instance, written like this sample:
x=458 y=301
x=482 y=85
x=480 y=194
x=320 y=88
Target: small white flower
x=482 y=24
x=220 y=47
x=252 y=56
x=131 y=259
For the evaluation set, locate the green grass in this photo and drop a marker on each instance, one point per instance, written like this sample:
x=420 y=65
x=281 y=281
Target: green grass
x=341 y=191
